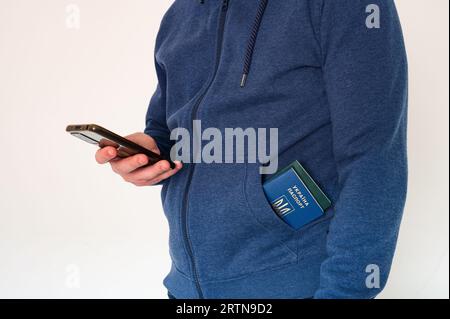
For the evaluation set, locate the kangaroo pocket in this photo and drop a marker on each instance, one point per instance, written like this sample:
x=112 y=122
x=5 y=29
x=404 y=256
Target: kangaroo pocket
x=228 y=240
x=263 y=211
x=307 y=241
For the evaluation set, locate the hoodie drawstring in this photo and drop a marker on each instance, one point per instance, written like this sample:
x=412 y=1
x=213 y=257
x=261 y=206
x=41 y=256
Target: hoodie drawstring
x=252 y=41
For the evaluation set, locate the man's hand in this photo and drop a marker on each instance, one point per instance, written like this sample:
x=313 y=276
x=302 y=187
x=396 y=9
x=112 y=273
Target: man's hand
x=131 y=169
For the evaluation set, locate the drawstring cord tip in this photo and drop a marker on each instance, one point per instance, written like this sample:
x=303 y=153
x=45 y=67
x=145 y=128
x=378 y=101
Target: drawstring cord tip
x=244 y=80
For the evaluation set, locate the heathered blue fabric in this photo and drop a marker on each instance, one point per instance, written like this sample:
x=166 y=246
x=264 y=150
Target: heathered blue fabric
x=337 y=92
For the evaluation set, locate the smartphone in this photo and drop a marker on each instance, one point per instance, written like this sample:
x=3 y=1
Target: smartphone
x=97 y=135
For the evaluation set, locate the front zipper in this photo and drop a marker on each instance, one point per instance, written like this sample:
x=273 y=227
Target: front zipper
x=185 y=207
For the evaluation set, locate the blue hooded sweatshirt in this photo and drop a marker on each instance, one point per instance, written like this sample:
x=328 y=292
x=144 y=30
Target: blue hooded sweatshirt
x=331 y=76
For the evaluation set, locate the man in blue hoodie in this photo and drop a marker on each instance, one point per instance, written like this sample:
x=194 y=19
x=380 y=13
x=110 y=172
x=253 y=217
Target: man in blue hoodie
x=331 y=76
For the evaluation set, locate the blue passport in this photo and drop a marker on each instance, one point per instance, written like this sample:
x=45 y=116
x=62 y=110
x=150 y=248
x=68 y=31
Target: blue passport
x=295 y=197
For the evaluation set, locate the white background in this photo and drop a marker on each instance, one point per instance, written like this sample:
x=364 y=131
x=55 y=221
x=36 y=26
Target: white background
x=61 y=215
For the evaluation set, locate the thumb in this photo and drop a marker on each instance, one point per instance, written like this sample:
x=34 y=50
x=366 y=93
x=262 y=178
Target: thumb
x=144 y=140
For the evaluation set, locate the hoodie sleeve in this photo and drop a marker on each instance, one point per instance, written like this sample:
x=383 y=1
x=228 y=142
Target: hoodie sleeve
x=365 y=71
x=156 y=125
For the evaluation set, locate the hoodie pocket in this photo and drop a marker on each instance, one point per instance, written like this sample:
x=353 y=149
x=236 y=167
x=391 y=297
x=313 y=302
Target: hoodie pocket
x=266 y=216
x=262 y=211
x=227 y=242
x=258 y=203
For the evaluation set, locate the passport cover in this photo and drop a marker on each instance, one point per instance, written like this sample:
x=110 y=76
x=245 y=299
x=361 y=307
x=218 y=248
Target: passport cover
x=295 y=196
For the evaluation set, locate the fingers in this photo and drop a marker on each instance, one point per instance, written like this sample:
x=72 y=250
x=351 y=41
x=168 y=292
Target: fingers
x=153 y=174
x=127 y=165
x=104 y=155
x=166 y=175
x=132 y=169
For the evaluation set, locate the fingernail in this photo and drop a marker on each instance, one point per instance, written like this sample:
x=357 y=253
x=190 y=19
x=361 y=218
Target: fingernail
x=110 y=152
x=142 y=160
